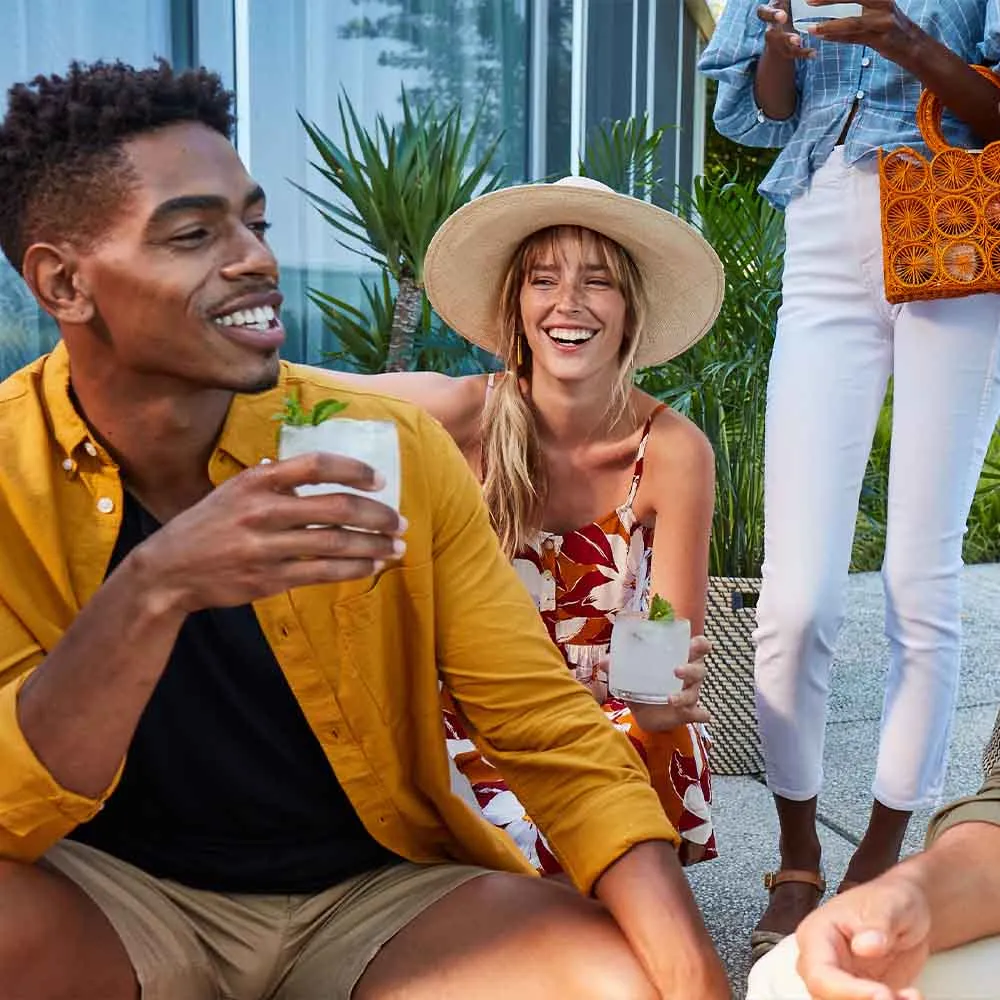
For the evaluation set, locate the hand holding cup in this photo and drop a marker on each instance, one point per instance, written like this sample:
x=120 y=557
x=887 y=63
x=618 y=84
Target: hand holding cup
x=780 y=36
x=683 y=707
x=251 y=537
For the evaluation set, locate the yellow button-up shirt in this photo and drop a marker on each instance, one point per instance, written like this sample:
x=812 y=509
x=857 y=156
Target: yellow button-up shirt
x=364 y=658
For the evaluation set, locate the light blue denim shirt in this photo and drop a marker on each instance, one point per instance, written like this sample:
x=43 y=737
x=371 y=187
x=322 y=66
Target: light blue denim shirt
x=829 y=85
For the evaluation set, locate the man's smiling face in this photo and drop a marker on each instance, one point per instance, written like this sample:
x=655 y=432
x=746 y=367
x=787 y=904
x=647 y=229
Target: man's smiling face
x=182 y=282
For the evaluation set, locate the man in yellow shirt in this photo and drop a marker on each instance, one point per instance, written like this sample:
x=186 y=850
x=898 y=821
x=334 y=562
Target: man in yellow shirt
x=222 y=766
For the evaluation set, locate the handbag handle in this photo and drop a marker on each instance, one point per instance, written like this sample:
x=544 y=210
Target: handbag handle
x=930 y=109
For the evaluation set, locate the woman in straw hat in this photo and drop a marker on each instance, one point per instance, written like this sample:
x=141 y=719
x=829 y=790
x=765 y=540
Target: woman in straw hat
x=573 y=287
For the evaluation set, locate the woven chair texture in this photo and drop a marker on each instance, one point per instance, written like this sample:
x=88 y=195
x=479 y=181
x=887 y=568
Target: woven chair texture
x=728 y=690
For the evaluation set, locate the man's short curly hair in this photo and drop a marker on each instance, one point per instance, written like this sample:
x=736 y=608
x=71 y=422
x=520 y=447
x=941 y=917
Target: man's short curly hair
x=63 y=172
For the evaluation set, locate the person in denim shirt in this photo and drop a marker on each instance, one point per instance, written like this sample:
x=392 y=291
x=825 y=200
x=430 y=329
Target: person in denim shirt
x=830 y=99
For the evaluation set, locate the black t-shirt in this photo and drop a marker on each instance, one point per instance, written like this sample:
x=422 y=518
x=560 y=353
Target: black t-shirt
x=225 y=785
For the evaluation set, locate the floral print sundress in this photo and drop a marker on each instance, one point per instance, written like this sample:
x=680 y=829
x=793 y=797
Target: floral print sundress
x=579 y=581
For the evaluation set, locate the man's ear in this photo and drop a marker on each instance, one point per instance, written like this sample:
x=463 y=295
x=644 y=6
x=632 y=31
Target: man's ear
x=53 y=275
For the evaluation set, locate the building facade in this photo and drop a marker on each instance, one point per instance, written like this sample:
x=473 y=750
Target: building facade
x=543 y=72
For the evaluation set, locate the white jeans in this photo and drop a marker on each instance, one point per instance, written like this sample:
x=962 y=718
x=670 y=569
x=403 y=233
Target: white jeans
x=837 y=343
x=971 y=972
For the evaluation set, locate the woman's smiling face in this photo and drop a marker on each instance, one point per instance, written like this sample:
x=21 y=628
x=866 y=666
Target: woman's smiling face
x=572 y=309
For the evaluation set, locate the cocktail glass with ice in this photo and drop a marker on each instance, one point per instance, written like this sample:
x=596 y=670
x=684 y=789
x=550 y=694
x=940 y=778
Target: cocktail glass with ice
x=645 y=653
x=374 y=442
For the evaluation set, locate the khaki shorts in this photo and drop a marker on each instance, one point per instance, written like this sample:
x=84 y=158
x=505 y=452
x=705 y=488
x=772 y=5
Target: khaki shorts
x=188 y=944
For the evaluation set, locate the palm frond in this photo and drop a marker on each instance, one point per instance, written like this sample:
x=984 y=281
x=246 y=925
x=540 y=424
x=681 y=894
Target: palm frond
x=624 y=155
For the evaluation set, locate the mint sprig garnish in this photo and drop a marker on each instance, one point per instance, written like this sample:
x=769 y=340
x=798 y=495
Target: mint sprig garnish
x=294 y=414
x=660 y=609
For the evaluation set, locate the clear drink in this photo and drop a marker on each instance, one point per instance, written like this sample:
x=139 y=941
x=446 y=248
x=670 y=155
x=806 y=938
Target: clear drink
x=804 y=14
x=374 y=442
x=644 y=655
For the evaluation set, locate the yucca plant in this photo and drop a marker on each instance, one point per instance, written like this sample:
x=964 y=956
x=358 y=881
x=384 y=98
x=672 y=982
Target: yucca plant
x=721 y=382
x=398 y=184
x=362 y=335
x=624 y=155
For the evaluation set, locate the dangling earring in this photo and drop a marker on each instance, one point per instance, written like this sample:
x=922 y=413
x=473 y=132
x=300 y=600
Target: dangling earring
x=519 y=359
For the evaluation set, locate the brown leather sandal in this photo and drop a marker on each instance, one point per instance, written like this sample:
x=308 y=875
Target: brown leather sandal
x=761 y=942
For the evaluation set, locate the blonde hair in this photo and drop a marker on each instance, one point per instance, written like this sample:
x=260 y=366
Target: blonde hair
x=515 y=481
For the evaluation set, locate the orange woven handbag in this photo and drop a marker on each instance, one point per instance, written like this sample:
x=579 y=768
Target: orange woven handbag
x=940 y=218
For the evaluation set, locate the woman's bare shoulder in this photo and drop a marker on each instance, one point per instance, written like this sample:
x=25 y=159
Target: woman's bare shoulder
x=457 y=402
x=677 y=447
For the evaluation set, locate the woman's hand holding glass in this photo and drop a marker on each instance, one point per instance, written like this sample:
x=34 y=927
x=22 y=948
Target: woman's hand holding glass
x=683 y=708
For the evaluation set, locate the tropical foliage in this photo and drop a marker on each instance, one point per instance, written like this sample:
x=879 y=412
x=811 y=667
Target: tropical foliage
x=721 y=382
x=397 y=184
x=625 y=156
x=363 y=334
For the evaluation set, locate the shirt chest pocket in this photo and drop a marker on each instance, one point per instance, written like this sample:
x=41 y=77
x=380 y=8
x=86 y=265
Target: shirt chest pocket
x=387 y=644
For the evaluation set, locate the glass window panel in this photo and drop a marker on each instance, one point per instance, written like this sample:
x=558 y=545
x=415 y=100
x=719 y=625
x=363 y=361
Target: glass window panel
x=305 y=53
x=609 y=61
x=43 y=36
x=688 y=135
x=559 y=98
x=666 y=46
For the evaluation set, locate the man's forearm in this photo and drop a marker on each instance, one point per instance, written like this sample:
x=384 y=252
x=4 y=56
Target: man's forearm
x=79 y=709
x=960 y=878
x=647 y=894
x=961 y=89
x=774 y=86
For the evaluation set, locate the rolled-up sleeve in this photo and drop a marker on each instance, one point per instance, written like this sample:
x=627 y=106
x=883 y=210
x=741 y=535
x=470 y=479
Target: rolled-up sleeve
x=35 y=811
x=577 y=776
x=731 y=59
x=983 y=807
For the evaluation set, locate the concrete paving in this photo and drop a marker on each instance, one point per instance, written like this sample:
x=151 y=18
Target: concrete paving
x=729 y=890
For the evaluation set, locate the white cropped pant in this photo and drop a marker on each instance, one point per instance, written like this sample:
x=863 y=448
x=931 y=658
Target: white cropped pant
x=837 y=343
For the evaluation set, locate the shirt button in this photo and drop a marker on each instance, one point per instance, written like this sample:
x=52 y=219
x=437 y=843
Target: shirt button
x=860 y=95
x=88 y=447
x=67 y=464
x=866 y=62
x=548 y=545
x=761 y=118
x=105 y=505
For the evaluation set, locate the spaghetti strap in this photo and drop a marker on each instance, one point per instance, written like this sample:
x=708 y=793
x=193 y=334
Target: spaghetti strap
x=637 y=475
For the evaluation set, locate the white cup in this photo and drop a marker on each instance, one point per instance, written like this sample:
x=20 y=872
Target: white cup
x=805 y=14
x=374 y=442
x=644 y=655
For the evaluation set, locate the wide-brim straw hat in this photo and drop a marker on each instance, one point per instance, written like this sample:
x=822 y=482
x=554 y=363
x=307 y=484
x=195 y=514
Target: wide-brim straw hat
x=470 y=254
